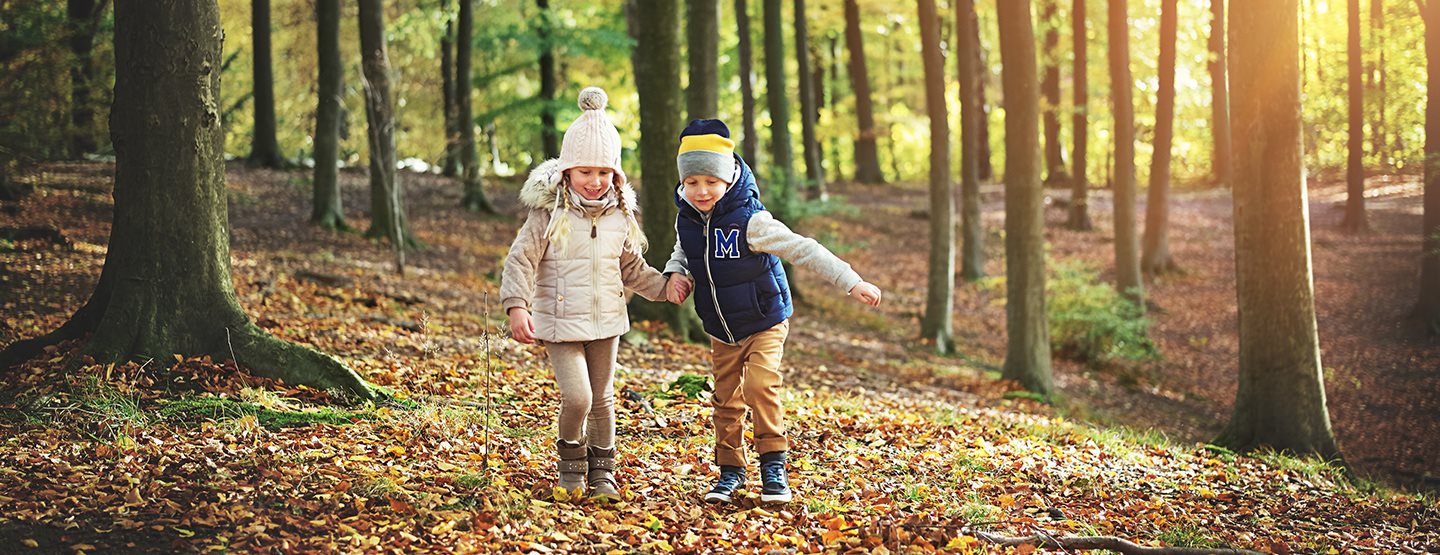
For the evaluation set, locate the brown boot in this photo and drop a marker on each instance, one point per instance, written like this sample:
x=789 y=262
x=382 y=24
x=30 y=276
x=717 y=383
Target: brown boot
x=572 y=466
x=602 y=474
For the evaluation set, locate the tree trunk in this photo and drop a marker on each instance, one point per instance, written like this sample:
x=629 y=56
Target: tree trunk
x=1355 y=164
x=1219 y=95
x=451 y=164
x=327 y=211
x=548 y=133
x=1280 y=399
x=867 y=153
x=170 y=213
x=702 y=33
x=264 y=149
x=940 y=292
x=972 y=118
x=83 y=17
x=1080 y=121
x=749 y=140
x=781 y=159
x=1428 y=309
x=987 y=170
x=1156 y=259
x=814 y=174
x=474 y=198
x=1127 y=245
x=387 y=200
x=1050 y=87
x=1027 y=357
x=655 y=26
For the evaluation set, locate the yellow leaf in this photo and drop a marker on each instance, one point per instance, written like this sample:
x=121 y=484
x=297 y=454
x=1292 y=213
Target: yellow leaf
x=396 y=450
x=183 y=532
x=30 y=543
x=179 y=357
x=1006 y=500
x=447 y=467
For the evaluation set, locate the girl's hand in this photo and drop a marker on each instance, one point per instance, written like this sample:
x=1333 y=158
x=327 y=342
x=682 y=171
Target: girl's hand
x=866 y=292
x=522 y=328
x=678 y=288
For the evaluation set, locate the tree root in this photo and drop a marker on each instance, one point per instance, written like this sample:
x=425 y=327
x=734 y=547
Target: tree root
x=267 y=356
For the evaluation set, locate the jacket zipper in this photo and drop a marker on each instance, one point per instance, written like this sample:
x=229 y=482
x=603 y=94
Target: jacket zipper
x=714 y=295
x=595 y=273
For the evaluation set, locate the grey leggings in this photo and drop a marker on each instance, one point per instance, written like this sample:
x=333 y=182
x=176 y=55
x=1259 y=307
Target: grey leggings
x=585 y=371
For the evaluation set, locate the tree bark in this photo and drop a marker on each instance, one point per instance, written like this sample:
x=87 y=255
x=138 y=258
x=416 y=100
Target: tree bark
x=474 y=198
x=83 y=17
x=1280 y=399
x=1156 y=258
x=938 y=324
x=170 y=213
x=987 y=170
x=451 y=164
x=814 y=174
x=702 y=33
x=327 y=211
x=1027 y=357
x=781 y=158
x=1428 y=309
x=972 y=118
x=548 y=133
x=387 y=200
x=264 y=148
x=1080 y=121
x=867 y=153
x=1050 y=87
x=1127 y=245
x=1355 y=163
x=1219 y=95
x=749 y=139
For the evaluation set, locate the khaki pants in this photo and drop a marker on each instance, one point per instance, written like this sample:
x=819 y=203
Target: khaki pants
x=748 y=374
x=585 y=372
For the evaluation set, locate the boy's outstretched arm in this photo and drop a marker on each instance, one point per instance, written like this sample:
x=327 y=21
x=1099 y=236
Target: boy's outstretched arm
x=769 y=235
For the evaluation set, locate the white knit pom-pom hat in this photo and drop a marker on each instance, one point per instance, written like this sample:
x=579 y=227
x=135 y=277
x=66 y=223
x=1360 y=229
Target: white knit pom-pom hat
x=591 y=140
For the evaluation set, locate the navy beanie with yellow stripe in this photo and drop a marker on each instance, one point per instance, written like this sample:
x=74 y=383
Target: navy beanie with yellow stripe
x=706 y=149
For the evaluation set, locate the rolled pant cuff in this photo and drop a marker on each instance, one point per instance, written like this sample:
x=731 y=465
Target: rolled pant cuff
x=772 y=444
x=730 y=457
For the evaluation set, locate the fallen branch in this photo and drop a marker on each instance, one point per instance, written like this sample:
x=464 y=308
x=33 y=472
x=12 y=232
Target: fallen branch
x=1100 y=542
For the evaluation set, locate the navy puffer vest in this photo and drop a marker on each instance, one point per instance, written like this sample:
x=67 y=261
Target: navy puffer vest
x=738 y=292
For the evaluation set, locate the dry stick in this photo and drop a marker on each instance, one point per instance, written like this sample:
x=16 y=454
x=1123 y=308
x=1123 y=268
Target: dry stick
x=486 y=421
x=1101 y=542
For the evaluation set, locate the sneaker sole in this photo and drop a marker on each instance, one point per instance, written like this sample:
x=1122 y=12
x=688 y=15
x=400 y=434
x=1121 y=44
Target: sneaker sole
x=713 y=497
x=775 y=498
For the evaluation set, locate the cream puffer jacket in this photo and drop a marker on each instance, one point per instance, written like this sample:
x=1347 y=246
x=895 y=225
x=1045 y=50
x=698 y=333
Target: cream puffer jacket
x=571 y=267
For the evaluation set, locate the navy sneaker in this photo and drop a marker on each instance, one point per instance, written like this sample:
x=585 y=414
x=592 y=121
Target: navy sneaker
x=731 y=478
x=772 y=474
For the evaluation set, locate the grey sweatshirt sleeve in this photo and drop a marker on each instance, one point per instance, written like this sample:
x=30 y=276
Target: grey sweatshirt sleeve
x=677 y=262
x=769 y=235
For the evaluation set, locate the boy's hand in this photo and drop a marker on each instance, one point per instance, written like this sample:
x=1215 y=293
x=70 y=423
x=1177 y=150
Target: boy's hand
x=522 y=328
x=678 y=288
x=866 y=292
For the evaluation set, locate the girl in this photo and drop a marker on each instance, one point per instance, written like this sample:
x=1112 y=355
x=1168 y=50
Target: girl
x=564 y=285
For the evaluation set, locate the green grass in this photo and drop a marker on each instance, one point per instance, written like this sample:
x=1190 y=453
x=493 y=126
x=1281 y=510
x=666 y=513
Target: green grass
x=1188 y=536
x=192 y=409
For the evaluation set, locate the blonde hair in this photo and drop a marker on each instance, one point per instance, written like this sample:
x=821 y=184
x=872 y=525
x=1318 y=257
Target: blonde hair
x=559 y=230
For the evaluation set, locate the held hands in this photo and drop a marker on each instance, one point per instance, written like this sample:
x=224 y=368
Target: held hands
x=866 y=292
x=522 y=328
x=678 y=288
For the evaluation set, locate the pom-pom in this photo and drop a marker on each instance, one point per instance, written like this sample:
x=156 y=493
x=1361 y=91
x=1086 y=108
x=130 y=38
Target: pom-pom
x=593 y=98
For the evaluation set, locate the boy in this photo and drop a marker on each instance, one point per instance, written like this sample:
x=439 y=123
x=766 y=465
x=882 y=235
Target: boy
x=731 y=247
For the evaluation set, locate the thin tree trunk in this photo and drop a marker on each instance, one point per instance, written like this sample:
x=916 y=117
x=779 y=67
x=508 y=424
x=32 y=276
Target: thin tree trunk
x=83 y=17
x=1050 y=87
x=1080 y=121
x=451 y=164
x=1428 y=309
x=327 y=211
x=940 y=292
x=972 y=118
x=1219 y=95
x=1355 y=164
x=867 y=153
x=749 y=140
x=1280 y=399
x=1156 y=258
x=170 y=213
x=1127 y=245
x=474 y=198
x=264 y=148
x=987 y=170
x=702 y=32
x=548 y=133
x=1027 y=357
x=775 y=95
x=387 y=201
x=814 y=174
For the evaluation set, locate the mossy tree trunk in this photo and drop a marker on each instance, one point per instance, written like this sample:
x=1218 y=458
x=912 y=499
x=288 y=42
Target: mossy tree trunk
x=1127 y=243
x=782 y=166
x=702 y=39
x=166 y=287
x=387 y=198
x=1080 y=120
x=264 y=148
x=972 y=118
x=1280 y=398
x=474 y=198
x=1050 y=87
x=1156 y=258
x=1027 y=357
x=327 y=211
x=938 y=324
x=867 y=152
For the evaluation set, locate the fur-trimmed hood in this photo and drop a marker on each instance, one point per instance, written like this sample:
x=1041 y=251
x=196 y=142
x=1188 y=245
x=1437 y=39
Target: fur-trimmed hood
x=544 y=189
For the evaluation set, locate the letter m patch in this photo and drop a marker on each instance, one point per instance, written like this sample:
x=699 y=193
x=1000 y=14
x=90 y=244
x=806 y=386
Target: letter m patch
x=727 y=243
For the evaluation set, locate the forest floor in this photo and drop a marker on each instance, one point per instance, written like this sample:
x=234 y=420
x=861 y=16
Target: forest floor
x=895 y=449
